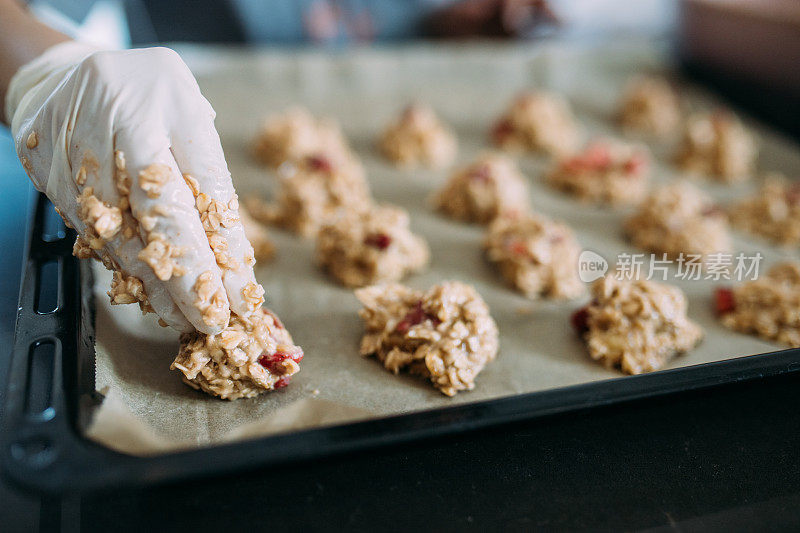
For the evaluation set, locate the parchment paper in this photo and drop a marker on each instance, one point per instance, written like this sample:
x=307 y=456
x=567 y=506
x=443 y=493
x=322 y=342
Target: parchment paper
x=149 y=410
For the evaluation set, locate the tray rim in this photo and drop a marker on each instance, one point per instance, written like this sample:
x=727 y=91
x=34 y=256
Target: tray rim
x=72 y=462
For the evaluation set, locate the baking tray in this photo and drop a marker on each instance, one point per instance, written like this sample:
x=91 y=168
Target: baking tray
x=50 y=395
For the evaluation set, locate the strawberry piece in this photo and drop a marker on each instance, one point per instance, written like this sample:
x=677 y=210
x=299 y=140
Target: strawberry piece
x=283 y=382
x=416 y=316
x=724 y=301
x=481 y=173
x=381 y=241
x=580 y=320
x=501 y=130
x=634 y=165
x=320 y=163
x=271 y=361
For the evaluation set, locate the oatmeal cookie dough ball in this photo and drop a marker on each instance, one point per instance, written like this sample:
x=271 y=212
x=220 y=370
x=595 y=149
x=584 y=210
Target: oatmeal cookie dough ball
x=483 y=190
x=444 y=334
x=679 y=219
x=537 y=256
x=256 y=233
x=537 y=122
x=717 y=145
x=605 y=172
x=768 y=307
x=252 y=355
x=296 y=134
x=418 y=137
x=371 y=246
x=649 y=106
x=773 y=213
x=636 y=326
x=312 y=192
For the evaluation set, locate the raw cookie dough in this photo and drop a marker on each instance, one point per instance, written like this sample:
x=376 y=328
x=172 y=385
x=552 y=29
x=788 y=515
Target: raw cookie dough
x=313 y=192
x=605 y=172
x=480 y=192
x=773 y=213
x=537 y=122
x=418 y=137
x=649 y=106
x=537 y=256
x=444 y=334
x=296 y=134
x=636 y=326
x=717 y=145
x=679 y=219
x=250 y=356
x=256 y=233
x=768 y=306
x=366 y=247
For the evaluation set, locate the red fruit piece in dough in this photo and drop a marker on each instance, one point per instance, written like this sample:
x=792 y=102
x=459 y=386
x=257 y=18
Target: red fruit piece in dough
x=724 y=301
x=580 y=320
x=416 y=316
x=381 y=241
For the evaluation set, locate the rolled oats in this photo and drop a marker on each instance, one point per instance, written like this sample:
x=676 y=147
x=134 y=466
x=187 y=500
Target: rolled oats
x=773 y=213
x=32 y=141
x=483 y=190
x=444 y=334
x=768 y=306
x=211 y=303
x=637 y=325
x=312 y=193
x=295 y=135
x=160 y=254
x=102 y=220
x=717 y=145
x=650 y=106
x=418 y=137
x=537 y=256
x=250 y=356
x=537 y=122
x=679 y=219
x=370 y=246
x=605 y=172
x=153 y=178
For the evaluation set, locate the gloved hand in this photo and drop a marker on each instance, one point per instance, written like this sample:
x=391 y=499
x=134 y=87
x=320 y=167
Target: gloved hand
x=124 y=145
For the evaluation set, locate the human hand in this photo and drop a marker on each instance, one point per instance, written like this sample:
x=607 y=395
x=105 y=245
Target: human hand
x=124 y=145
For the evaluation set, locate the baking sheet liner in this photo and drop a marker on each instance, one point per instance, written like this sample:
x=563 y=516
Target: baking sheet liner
x=147 y=409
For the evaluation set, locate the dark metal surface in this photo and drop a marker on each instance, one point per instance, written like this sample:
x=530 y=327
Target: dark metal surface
x=51 y=387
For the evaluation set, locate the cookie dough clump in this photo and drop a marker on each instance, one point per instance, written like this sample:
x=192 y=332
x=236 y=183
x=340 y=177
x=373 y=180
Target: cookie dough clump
x=636 y=326
x=768 y=307
x=418 y=137
x=444 y=334
x=680 y=219
x=537 y=122
x=717 y=145
x=250 y=356
x=650 y=106
x=313 y=192
x=256 y=233
x=482 y=191
x=605 y=172
x=537 y=256
x=773 y=213
x=370 y=246
x=296 y=134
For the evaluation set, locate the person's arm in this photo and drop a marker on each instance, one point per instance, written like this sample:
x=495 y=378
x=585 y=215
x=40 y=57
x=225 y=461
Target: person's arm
x=22 y=39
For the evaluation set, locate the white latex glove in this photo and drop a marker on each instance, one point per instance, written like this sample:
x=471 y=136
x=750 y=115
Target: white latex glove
x=124 y=145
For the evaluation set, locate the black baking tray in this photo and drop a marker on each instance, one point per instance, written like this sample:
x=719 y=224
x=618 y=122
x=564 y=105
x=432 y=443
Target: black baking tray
x=51 y=394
